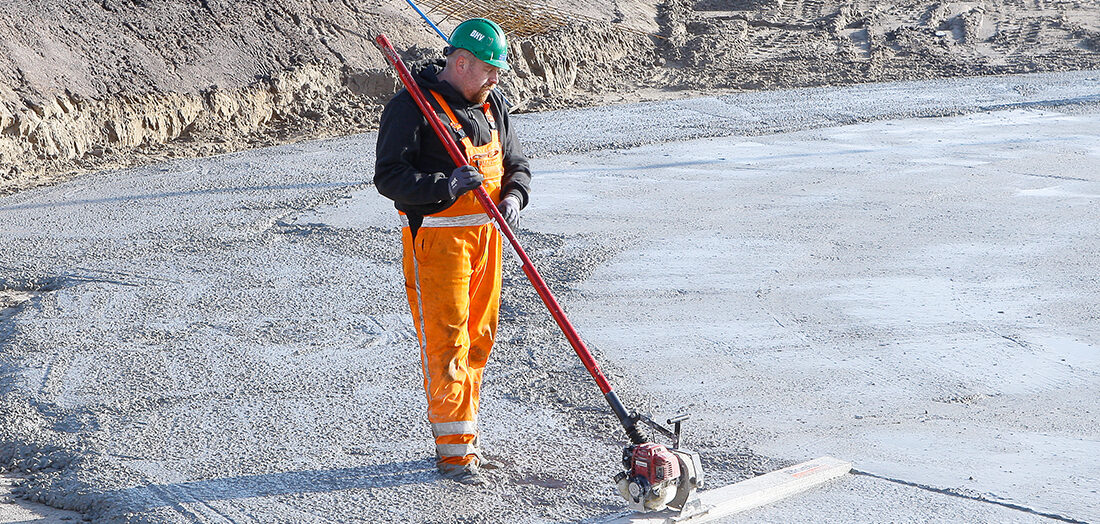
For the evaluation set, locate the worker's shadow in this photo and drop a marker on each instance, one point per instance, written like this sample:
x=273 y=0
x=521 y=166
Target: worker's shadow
x=141 y=498
x=176 y=195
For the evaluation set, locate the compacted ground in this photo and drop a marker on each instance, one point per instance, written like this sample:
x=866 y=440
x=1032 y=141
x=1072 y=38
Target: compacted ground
x=223 y=339
x=897 y=274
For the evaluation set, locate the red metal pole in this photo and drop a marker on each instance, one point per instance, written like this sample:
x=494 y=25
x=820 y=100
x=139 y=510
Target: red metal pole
x=491 y=208
x=528 y=268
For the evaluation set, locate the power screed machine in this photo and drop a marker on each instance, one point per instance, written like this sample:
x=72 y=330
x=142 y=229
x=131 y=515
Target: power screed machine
x=655 y=476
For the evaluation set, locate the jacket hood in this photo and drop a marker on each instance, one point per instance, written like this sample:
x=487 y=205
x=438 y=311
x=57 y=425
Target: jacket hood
x=426 y=73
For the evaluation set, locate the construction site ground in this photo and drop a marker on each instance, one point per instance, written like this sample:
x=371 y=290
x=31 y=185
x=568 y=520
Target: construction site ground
x=902 y=275
x=94 y=85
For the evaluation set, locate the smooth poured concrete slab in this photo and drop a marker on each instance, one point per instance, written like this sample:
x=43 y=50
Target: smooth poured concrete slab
x=916 y=296
x=856 y=275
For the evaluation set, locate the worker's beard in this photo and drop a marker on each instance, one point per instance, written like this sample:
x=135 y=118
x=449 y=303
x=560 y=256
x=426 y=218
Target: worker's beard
x=482 y=94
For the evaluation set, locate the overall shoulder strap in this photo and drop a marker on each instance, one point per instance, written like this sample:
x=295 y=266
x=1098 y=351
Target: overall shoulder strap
x=451 y=116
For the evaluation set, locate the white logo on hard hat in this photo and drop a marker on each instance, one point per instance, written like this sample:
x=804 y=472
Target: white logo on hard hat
x=477 y=35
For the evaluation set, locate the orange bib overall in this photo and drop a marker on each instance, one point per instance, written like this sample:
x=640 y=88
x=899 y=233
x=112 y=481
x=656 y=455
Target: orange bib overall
x=452 y=278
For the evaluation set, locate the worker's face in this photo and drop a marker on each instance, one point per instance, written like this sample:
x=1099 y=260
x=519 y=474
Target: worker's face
x=476 y=78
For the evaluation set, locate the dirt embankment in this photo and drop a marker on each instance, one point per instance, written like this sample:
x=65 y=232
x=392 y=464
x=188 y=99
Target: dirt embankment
x=108 y=83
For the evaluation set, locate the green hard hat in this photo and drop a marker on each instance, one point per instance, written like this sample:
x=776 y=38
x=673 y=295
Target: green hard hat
x=484 y=38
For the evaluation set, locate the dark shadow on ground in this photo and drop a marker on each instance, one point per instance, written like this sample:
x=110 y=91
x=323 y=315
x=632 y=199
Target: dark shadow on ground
x=143 y=498
x=178 y=194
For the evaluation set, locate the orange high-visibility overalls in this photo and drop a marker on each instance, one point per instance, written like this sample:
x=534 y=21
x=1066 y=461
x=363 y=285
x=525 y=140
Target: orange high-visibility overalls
x=452 y=278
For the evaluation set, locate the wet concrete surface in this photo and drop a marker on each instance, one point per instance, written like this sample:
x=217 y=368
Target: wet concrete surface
x=912 y=295
x=899 y=275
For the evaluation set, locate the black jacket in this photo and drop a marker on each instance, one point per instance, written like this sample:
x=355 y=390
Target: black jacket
x=412 y=166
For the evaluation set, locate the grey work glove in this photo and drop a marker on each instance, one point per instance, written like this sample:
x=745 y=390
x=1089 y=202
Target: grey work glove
x=509 y=209
x=463 y=179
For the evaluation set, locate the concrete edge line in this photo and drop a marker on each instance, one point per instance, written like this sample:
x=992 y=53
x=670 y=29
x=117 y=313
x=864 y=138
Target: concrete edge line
x=976 y=497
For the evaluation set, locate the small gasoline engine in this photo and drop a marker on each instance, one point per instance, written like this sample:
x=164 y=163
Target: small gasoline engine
x=657 y=477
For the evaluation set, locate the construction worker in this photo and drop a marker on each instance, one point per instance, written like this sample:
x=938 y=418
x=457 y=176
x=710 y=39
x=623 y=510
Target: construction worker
x=452 y=251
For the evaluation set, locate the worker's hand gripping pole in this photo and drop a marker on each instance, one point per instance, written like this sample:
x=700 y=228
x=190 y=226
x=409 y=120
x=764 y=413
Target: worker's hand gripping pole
x=628 y=420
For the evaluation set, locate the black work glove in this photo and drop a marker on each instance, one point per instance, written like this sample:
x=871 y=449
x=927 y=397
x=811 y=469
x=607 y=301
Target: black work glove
x=463 y=179
x=509 y=209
